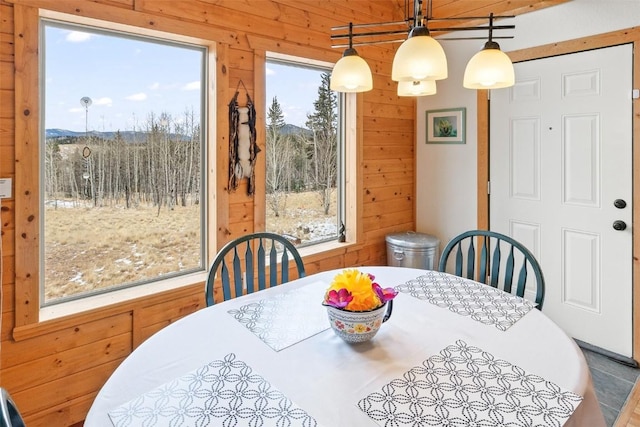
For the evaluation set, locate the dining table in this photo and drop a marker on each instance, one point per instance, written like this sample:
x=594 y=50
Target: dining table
x=453 y=352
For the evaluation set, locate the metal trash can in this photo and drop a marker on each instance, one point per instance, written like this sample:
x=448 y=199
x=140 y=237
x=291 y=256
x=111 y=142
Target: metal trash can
x=411 y=249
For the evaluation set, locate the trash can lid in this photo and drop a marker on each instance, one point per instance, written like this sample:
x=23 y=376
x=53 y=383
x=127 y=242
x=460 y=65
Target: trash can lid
x=412 y=239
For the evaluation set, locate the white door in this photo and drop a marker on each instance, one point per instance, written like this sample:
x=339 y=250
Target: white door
x=560 y=156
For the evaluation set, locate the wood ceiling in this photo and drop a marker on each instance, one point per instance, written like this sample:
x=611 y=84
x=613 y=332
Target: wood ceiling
x=374 y=29
x=462 y=8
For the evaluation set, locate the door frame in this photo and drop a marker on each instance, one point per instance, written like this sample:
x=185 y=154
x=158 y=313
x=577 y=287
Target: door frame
x=630 y=35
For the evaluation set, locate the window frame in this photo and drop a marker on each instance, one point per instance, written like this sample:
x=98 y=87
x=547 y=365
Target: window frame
x=353 y=137
x=28 y=313
x=321 y=66
x=134 y=35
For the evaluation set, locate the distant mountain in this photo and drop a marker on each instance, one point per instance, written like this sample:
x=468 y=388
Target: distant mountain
x=69 y=136
x=289 y=129
x=61 y=133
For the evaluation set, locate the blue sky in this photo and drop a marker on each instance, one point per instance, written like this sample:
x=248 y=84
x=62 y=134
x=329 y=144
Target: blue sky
x=296 y=89
x=127 y=79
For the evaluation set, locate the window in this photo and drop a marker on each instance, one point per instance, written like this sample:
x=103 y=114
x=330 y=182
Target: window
x=122 y=160
x=304 y=152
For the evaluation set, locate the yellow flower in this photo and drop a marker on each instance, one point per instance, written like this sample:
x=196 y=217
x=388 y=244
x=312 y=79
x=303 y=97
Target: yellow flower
x=360 y=328
x=360 y=286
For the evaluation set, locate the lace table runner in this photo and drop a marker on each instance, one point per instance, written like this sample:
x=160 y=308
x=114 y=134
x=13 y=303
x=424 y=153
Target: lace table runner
x=224 y=392
x=481 y=302
x=466 y=386
x=286 y=318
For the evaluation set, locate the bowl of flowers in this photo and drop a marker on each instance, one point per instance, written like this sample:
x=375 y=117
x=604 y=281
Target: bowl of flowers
x=357 y=305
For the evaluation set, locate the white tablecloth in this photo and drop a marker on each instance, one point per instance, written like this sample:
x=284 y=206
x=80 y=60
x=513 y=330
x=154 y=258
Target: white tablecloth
x=326 y=376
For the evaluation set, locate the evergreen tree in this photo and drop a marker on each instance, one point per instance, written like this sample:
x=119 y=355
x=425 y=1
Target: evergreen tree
x=277 y=157
x=324 y=123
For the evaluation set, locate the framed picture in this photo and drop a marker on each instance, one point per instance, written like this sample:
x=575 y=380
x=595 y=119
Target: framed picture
x=446 y=126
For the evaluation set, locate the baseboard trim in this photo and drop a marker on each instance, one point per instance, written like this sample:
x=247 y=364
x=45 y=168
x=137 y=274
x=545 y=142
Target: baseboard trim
x=610 y=354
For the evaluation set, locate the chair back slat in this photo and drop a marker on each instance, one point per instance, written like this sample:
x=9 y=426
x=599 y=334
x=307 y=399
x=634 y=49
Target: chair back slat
x=483 y=262
x=237 y=273
x=508 y=273
x=522 y=279
x=459 y=260
x=501 y=271
x=285 y=271
x=471 y=261
x=262 y=266
x=273 y=265
x=495 y=266
x=226 y=281
x=227 y=265
x=249 y=271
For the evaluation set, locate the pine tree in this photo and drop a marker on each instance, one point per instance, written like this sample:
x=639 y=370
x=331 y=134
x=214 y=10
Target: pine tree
x=277 y=157
x=324 y=122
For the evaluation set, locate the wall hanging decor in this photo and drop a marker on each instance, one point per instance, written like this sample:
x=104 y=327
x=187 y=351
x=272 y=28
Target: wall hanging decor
x=446 y=126
x=243 y=148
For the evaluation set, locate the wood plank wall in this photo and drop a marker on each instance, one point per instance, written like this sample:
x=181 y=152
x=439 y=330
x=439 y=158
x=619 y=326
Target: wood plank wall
x=55 y=374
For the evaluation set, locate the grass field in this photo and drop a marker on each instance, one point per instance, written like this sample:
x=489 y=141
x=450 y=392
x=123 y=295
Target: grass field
x=90 y=248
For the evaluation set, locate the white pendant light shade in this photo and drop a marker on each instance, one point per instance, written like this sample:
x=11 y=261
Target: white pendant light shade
x=417 y=88
x=489 y=69
x=420 y=57
x=351 y=74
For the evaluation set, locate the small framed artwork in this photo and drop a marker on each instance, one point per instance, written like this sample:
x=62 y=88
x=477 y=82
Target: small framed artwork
x=446 y=126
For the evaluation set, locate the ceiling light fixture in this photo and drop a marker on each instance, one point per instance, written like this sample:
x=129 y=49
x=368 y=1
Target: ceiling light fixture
x=490 y=68
x=417 y=88
x=351 y=73
x=420 y=58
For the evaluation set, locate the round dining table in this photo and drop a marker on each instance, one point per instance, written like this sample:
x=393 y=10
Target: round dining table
x=341 y=384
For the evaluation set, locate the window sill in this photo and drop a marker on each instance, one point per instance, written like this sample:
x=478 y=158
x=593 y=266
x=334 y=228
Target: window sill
x=57 y=316
x=119 y=296
x=325 y=250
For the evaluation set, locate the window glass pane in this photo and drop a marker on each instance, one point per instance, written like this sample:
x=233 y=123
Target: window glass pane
x=302 y=153
x=122 y=161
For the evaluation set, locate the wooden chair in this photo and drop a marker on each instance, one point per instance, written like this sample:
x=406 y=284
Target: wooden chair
x=261 y=250
x=490 y=262
x=9 y=414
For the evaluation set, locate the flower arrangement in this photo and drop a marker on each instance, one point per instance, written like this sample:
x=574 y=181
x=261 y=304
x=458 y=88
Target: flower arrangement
x=353 y=290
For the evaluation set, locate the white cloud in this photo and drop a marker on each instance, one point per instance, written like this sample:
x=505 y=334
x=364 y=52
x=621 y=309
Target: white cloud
x=103 y=101
x=154 y=86
x=76 y=110
x=192 y=86
x=137 y=97
x=269 y=72
x=77 y=37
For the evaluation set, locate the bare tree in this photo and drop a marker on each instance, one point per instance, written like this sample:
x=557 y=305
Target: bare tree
x=160 y=166
x=323 y=123
x=278 y=159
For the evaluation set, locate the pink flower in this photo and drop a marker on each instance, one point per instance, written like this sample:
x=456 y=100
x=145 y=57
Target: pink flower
x=338 y=299
x=386 y=294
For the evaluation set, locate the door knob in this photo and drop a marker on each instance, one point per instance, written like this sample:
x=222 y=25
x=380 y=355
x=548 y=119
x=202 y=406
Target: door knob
x=619 y=203
x=619 y=225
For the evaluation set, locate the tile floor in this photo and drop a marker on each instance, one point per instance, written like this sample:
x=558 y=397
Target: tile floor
x=613 y=382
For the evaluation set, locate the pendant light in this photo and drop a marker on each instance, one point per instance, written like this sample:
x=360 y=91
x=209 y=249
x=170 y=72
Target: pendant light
x=417 y=88
x=351 y=73
x=490 y=68
x=420 y=57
